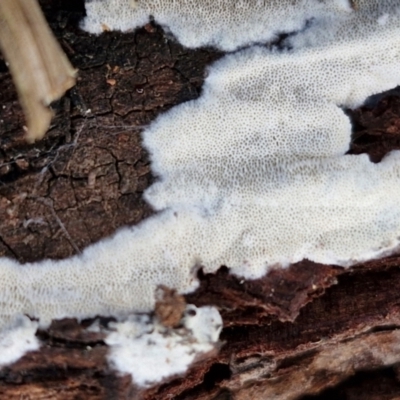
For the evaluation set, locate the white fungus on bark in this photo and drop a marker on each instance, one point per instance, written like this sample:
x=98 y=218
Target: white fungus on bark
x=151 y=352
x=221 y=23
x=18 y=339
x=251 y=175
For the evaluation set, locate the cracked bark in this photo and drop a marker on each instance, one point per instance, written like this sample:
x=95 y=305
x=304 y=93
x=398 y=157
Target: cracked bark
x=309 y=330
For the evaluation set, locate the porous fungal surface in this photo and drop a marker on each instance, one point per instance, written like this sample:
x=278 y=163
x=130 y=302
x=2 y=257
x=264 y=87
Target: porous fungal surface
x=221 y=23
x=251 y=175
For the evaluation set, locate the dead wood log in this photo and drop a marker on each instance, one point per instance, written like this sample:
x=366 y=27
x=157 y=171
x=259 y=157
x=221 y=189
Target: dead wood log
x=307 y=330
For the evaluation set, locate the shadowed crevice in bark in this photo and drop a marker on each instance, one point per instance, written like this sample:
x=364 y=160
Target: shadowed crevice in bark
x=377 y=385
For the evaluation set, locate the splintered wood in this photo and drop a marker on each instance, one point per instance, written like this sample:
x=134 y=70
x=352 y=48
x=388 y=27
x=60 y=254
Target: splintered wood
x=40 y=69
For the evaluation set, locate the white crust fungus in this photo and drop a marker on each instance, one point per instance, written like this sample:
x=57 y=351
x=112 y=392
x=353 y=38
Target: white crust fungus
x=251 y=175
x=225 y=24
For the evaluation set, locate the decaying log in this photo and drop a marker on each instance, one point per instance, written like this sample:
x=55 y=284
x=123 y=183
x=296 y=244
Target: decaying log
x=306 y=330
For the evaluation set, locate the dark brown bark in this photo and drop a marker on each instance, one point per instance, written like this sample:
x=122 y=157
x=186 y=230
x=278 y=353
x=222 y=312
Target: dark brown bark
x=296 y=332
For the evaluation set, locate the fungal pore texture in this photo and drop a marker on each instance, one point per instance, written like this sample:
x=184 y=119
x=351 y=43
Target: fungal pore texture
x=221 y=23
x=251 y=175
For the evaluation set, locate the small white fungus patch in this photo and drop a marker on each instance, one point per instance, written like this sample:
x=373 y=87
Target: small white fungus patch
x=150 y=352
x=18 y=340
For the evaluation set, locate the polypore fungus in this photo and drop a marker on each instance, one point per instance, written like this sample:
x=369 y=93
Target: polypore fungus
x=220 y=23
x=253 y=174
